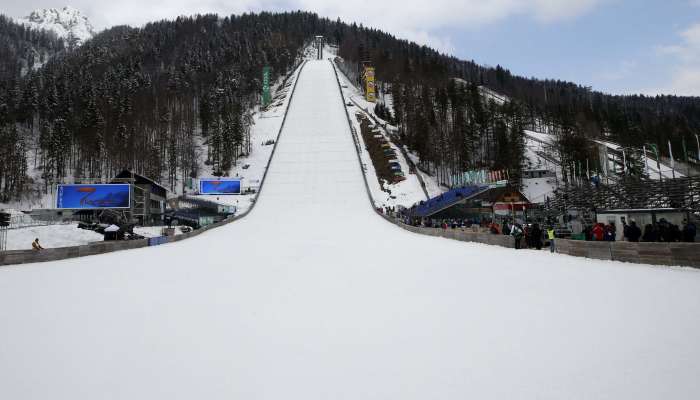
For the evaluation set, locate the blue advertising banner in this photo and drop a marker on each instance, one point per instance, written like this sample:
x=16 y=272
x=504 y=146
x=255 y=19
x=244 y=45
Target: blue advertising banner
x=220 y=186
x=93 y=196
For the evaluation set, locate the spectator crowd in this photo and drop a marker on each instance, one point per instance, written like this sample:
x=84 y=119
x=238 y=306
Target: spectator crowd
x=537 y=237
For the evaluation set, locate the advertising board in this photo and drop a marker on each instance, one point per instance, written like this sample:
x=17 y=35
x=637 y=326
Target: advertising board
x=220 y=186
x=98 y=196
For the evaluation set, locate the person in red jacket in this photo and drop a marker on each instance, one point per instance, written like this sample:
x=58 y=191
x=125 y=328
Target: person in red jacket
x=598 y=232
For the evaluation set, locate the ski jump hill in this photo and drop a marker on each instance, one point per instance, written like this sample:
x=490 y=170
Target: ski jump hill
x=314 y=296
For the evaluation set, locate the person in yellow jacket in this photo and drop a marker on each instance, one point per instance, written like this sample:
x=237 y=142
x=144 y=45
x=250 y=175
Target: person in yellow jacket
x=550 y=236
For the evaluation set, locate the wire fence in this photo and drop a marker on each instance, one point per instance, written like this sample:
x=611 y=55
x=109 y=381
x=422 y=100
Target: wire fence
x=20 y=221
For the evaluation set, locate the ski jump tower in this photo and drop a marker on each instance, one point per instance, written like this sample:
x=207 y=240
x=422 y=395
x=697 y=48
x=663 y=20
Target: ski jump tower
x=319 y=46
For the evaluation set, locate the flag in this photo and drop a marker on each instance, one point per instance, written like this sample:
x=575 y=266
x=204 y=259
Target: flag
x=588 y=171
x=646 y=162
x=267 y=97
x=656 y=150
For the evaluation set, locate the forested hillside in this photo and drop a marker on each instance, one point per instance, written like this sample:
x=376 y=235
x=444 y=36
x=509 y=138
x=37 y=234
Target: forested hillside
x=22 y=52
x=149 y=98
x=628 y=119
x=446 y=124
x=142 y=98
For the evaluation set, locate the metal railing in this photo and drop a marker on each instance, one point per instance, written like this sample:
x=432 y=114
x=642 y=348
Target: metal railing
x=680 y=193
x=19 y=221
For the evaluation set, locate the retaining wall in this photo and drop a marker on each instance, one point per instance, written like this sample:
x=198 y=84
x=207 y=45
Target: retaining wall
x=61 y=253
x=681 y=254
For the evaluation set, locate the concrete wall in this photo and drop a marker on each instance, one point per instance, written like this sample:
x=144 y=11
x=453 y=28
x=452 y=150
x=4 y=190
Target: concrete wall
x=679 y=254
x=683 y=254
x=62 y=253
x=32 y=256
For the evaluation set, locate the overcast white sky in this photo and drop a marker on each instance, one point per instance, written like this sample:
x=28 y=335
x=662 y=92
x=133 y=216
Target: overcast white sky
x=619 y=46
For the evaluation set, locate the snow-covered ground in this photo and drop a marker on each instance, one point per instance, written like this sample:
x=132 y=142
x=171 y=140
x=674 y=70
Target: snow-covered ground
x=265 y=128
x=49 y=237
x=536 y=190
x=652 y=167
x=65 y=235
x=432 y=186
x=384 y=194
x=46 y=200
x=539 y=140
x=153 y=231
x=313 y=296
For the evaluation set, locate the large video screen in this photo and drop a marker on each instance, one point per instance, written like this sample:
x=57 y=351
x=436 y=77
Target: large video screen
x=93 y=196
x=220 y=186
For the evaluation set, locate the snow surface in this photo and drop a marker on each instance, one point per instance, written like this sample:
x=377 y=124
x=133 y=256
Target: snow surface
x=266 y=126
x=313 y=296
x=153 y=231
x=385 y=194
x=540 y=140
x=67 y=22
x=652 y=167
x=536 y=190
x=49 y=237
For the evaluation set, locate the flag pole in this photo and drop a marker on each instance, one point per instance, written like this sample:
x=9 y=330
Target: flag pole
x=673 y=163
x=646 y=161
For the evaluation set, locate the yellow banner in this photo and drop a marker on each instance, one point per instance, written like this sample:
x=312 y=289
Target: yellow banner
x=370 y=92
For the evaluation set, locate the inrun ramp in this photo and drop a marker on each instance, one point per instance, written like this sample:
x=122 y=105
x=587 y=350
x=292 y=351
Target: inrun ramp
x=313 y=296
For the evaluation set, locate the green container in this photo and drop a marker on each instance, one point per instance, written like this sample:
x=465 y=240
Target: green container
x=578 y=236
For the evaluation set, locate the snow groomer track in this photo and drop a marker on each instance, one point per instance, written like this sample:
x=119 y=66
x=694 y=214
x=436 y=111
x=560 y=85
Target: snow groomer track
x=313 y=296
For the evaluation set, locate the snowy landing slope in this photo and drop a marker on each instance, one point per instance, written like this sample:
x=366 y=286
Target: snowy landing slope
x=312 y=296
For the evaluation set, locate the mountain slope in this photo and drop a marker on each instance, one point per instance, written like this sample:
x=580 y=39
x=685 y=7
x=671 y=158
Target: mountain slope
x=137 y=98
x=23 y=49
x=145 y=98
x=313 y=296
x=67 y=22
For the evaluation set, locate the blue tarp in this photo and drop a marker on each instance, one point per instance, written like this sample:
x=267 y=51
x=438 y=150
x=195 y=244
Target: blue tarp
x=220 y=186
x=155 y=241
x=445 y=200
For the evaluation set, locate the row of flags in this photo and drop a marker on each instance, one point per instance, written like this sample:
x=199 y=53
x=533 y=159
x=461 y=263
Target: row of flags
x=482 y=176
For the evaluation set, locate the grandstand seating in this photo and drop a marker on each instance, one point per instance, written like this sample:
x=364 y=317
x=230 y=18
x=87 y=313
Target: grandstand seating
x=446 y=200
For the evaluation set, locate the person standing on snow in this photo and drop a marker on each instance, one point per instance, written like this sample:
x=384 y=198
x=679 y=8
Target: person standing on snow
x=610 y=232
x=689 y=231
x=517 y=233
x=551 y=236
x=536 y=236
x=632 y=232
x=598 y=232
